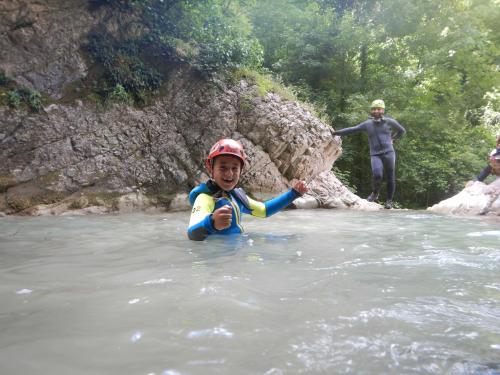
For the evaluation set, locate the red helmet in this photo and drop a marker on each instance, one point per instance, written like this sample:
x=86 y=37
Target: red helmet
x=227 y=147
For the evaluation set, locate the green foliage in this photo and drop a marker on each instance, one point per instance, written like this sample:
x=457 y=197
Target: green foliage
x=34 y=99
x=118 y=95
x=125 y=71
x=18 y=96
x=14 y=98
x=434 y=63
x=265 y=83
x=210 y=35
x=491 y=111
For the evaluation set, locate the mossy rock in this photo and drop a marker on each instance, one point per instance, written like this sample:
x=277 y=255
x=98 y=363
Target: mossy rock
x=3 y=203
x=6 y=181
x=79 y=203
x=86 y=199
x=34 y=192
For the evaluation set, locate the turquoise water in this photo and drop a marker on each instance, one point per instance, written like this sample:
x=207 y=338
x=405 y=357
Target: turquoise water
x=303 y=292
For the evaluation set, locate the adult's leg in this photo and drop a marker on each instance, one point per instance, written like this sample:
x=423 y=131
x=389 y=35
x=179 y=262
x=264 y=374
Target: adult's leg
x=389 y=161
x=377 y=175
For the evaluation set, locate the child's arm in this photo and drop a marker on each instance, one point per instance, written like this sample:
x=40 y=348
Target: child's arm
x=270 y=207
x=200 y=223
x=204 y=220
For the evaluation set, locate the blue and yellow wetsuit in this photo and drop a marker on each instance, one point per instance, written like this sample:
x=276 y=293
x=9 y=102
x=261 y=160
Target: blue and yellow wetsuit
x=208 y=197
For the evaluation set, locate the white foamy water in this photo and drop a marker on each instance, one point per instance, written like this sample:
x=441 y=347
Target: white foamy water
x=303 y=292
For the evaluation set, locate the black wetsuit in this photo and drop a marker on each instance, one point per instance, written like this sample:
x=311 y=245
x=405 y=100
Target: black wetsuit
x=382 y=152
x=484 y=173
x=487 y=170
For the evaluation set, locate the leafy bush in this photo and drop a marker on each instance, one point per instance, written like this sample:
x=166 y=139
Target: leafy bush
x=14 y=98
x=210 y=35
x=118 y=95
x=18 y=96
x=125 y=72
x=34 y=99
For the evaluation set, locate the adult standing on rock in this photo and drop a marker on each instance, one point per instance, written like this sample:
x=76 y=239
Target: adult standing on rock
x=383 y=157
x=493 y=166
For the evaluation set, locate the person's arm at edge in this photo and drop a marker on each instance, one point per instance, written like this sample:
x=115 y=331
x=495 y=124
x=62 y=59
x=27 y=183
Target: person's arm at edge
x=484 y=173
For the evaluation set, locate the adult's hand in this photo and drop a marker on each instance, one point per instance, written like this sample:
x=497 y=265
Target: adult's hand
x=222 y=217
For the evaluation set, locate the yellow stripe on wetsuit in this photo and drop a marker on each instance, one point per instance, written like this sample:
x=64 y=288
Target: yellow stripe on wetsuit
x=204 y=205
x=236 y=209
x=258 y=208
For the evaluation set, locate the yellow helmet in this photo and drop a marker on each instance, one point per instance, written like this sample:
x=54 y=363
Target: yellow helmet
x=379 y=103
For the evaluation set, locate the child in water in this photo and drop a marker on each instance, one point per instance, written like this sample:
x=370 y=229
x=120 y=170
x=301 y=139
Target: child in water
x=218 y=204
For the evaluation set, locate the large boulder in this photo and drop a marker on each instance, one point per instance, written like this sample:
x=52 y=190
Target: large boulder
x=70 y=151
x=77 y=154
x=476 y=199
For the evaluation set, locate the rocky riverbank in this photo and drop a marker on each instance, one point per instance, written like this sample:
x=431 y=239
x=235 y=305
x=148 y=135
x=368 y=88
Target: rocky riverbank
x=75 y=155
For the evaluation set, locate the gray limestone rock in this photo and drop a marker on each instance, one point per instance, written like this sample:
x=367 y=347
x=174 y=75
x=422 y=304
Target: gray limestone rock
x=476 y=199
x=77 y=156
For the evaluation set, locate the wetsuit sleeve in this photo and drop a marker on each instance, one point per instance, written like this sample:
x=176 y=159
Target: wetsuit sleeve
x=274 y=205
x=484 y=173
x=400 y=131
x=358 y=128
x=202 y=188
x=200 y=223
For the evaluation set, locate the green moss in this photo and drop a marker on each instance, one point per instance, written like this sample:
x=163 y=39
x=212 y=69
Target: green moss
x=245 y=103
x=3 y=202
x=22 y=202
x=48 y=178
x=6 y=181
x=95 y=99
x=32 y=193
x=99 y=198
x=19 y=203
x=265 y=83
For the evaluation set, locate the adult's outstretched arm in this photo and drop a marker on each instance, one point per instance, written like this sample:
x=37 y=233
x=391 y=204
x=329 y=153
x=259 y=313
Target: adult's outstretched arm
x=353 y=129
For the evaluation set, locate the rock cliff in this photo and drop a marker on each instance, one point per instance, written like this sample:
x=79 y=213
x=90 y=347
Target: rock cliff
x=78 y=156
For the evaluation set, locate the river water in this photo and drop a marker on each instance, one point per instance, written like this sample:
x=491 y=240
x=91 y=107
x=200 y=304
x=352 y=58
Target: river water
x=302 y=292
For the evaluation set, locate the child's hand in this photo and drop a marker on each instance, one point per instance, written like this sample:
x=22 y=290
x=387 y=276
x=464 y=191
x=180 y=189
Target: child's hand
x=222 y=217
x=300 y=187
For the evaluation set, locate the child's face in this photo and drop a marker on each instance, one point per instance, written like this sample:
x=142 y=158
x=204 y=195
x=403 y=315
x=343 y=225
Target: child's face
x=226 y=171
